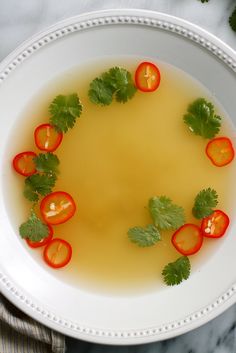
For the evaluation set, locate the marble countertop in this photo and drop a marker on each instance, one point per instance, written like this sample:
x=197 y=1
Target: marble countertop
x=21 y=19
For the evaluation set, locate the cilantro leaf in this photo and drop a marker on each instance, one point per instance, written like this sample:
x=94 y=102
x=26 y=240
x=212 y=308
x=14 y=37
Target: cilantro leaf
x=165 y=214
x=175 y=272
x=47 y=163
x=34 y=229
x=147 y=236
x=64 y=111
x=204 y=203
x=123 y=94
x=99 y=92
x=116 y=77
x=121 y=82
x=38 y=184
x=232 y=20
x=115 y=82
x=30 y=194
x=202 y=120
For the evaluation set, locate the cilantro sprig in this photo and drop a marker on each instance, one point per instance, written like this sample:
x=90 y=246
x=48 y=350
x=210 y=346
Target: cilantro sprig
x=177 y=271
x=64 y=111
x=202 y=120
x=99 y=92
x=117 y=82
x=34 y=229
x=165 y=214
x=42 y=183
x=205 y=202
x=144 y=237
x=47 y=163
x=37 y=185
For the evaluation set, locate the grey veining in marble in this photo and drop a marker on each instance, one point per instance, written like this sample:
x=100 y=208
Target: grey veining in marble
x=19 y=19
x=218 y=336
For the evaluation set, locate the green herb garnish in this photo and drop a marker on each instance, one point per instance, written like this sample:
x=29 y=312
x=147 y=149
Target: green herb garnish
x=232 y=20
x=177 y=271
x=115 y=82
x=47 y=163
x=165 y=214
x=121 y=82
x=205 y=202
x=143 y=237
x=99 y=92
x=64 y=111
x=34 y=229
x=202 y=120
x=38 y=185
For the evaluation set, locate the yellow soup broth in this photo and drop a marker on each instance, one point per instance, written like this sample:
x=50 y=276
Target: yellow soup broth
x=112 y=162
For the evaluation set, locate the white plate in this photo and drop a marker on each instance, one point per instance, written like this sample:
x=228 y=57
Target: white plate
x=103 y=318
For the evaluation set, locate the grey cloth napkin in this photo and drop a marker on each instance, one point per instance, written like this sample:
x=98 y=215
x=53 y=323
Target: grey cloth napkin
x=21 y=334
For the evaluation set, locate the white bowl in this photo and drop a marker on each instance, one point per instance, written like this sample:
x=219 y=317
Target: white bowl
x=107 y=318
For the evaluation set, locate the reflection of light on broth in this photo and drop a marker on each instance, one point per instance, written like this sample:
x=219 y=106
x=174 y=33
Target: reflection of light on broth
x=113 y=161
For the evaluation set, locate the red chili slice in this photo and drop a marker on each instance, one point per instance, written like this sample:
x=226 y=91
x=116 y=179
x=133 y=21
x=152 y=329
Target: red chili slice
x=23 y=163
x=220 y=151
x=57 y=207
x=147 y=77
x=215 y=225
x=44 y=241
x=188 y=239
x=47 y=138
x=57 y=253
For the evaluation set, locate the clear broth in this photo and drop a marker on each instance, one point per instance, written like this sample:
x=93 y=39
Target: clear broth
x=112 y=162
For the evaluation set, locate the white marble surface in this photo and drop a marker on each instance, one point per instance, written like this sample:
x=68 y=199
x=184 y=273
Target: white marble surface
x=21 y=19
